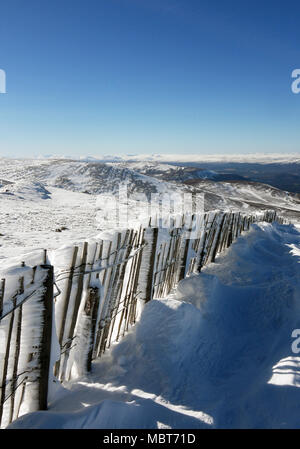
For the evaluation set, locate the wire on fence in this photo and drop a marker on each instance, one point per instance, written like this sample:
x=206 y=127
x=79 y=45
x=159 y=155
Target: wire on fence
x=100 y=312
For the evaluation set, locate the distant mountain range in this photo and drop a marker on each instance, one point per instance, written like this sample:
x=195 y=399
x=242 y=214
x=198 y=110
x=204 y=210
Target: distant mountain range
x=281 y=171
x=237 y=186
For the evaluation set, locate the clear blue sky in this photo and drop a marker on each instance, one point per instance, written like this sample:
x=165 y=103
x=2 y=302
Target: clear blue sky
x=91 y=77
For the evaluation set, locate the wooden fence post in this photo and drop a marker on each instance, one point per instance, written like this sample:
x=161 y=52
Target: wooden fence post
x=146 y=269
x=2 y=290
x=117 y=294
x=209 y=239
x=65 y=304
x=17 y=352
x=76 y=305
x=45 y=345
x=135 y=242
x=6 y=358
x=217 y=234
x=91 y=310
x=202 y=243
x=67 y=295
x=185 y=248
x=224 y=233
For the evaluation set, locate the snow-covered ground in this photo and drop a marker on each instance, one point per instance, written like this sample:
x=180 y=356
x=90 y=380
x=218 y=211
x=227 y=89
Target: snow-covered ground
x=217 y=353
x=40 y=198
x=30 y=218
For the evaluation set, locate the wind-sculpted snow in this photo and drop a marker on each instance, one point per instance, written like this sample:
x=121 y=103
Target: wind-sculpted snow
x=215 y=354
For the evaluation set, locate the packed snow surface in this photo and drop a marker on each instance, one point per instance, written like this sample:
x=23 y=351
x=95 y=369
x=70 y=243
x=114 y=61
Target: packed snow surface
x=217 y=353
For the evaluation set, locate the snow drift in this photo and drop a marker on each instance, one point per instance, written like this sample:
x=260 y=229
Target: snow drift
x=216 y=353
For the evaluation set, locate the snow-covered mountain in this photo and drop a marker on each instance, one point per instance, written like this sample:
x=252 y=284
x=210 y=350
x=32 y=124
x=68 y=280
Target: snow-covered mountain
x=243 y=195
x=262 y=158
x=48 y=203
x=85 y=177
x=177 y=173
x=281 y=171
x=222 y=190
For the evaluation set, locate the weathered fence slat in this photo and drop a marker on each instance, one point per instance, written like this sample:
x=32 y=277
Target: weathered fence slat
x=135 y=292
x=100 y=312
x=147 y=265
x=66 y=298
x=77 y=301
x=91 y=310
x=102 y=279
x=2 y=290
x=128 y=288
x=17 y=352
x=110 y=283
x=119 y=286
x=45 y=345
x=6 y=358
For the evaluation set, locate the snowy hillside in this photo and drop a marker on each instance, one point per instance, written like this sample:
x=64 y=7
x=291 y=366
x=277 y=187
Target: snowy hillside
x=245 y=195
x=279 y=171
x=177 y=173
x=47 y=203
x=86 y=177
x=53 y=202
x=229 y=326
x=215 y=354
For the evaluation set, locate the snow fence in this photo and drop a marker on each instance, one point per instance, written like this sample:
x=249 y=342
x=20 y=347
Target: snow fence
x=68 y=309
